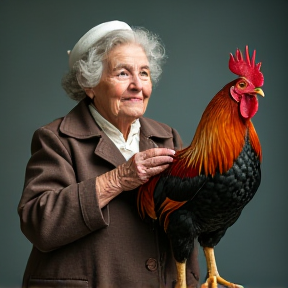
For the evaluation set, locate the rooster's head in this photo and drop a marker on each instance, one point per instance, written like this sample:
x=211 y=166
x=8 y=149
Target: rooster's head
x=248 y=84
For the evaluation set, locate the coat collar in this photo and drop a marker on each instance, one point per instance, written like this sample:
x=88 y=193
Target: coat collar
x=80 y=124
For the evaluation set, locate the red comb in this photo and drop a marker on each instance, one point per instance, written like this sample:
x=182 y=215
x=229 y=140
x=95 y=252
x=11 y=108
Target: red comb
x=246 y=68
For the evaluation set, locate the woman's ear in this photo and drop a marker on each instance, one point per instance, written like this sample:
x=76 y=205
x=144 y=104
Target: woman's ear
x=89 y=92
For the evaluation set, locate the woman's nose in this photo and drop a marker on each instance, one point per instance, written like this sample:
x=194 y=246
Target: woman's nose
x=136 y=83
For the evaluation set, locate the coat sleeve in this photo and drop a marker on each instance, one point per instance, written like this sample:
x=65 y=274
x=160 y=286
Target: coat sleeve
x=54 y=209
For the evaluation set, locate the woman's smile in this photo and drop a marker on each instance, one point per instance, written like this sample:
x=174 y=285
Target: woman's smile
x=132 y=99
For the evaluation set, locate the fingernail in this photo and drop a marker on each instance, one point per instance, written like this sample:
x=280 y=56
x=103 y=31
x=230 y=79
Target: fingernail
x=173 y=151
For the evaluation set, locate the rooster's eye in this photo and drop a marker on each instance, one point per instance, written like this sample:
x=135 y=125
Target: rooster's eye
x=242 y=84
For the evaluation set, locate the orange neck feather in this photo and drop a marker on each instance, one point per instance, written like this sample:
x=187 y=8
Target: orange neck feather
x=220 y=136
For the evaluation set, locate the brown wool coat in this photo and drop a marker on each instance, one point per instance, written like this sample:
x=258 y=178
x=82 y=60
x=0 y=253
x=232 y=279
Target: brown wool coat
x=76 y=244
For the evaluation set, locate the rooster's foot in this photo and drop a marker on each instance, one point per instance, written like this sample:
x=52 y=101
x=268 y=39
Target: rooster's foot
x=213 y=276
x=213 y=281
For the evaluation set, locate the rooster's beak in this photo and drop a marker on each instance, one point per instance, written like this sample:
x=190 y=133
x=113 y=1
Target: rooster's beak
x=259 y=91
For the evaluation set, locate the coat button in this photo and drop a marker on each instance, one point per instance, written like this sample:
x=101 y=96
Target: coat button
x=151 y=264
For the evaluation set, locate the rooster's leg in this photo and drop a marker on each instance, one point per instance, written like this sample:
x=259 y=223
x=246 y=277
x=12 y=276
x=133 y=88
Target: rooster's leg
x=181 y=275
x=213 y=275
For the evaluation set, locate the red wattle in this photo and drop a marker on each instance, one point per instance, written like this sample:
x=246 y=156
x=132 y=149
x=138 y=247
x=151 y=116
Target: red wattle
x=248 y=106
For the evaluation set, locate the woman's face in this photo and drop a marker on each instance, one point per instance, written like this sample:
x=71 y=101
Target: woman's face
x=125 y=87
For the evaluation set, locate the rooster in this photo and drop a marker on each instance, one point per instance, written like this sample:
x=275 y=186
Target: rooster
x=204 y=190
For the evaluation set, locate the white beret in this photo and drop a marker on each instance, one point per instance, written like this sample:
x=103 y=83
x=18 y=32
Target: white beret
x=92 y=36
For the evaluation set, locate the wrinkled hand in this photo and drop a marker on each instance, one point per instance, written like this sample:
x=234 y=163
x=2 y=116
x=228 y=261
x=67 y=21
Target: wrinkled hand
x=142 y=166
x=133 y=173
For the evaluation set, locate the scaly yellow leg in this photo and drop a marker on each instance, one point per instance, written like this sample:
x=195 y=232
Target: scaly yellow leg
x=213 y=275
x=181 y=275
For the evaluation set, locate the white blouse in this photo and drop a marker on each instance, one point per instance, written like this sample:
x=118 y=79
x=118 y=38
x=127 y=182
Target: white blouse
x=127 y=148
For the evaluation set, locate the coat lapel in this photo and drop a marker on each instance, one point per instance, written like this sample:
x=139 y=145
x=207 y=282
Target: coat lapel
x=146 y=142
x=151 y=131
x=80 y=124
x=107 y=150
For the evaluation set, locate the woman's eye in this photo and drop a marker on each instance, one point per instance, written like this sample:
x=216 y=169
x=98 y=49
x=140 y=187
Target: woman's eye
x=123 y=74
x=144 y=73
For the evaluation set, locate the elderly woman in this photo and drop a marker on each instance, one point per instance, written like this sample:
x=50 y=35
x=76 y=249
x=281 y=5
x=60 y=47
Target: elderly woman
x=78 y=205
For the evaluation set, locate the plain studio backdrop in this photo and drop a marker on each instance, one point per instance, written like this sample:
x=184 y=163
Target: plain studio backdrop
x=198 y=36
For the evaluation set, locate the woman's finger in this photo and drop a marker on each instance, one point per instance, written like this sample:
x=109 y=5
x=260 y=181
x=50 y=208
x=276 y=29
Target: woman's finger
x=157 y=161
x=156 y=170
x=154 y=152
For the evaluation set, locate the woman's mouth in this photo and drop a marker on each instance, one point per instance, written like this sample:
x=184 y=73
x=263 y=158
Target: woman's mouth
x=132 y=99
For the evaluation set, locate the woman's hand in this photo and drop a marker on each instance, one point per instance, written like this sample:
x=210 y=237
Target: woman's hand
x=133 y=173
x=142 y=166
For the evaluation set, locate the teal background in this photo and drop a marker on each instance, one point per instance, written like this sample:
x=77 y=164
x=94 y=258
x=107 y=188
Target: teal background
x=198 y=36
